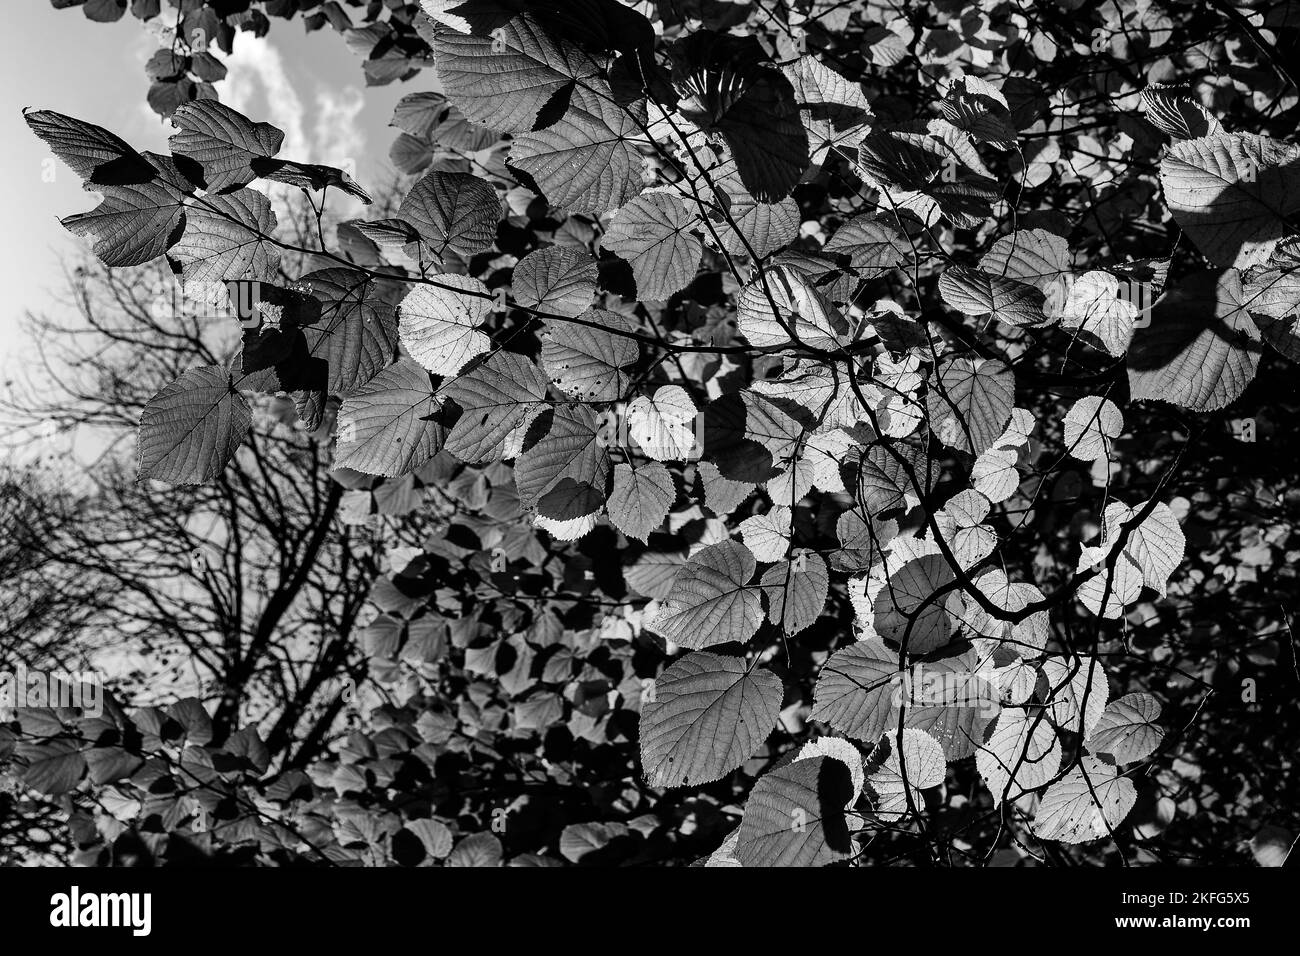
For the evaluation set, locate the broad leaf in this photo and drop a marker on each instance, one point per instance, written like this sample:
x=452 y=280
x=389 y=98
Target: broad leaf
x=857 y=691
x=953 y=700
x=387 y=426
x=478 y=850
x=901 y=773
x=1233 y=193
x=556 y=279
x=1087 y=804
x=745 y=226
x=1022 y=753
x=652 y=574
x=51 y=766
x=97 y=156
x=971 y=402
x=1172 y=110
x=873 y=244
x=1095 y=307
x=906 y=611
x=652 y=232
x=132 y=225
x=357 y=329
x=749 y=437
x=223 y=142
x=1201 y=348
x=439 y=323
x=759 y=229
x=504 y=80
x=191 y=429
x=884 y=484
x=228 y=238
x=565 y=463
x=768 y=535
x=453 y=212
x=641 y=498
x=712 y=601
x=1116 y=584
x=419 y=114
x=664 y=425
x=833 y=110
x=799 y=308
x=587 y=161
x=1033 y=256
x=1077 y=692
x=979 y=293
x=709 y=713
x=796 y=591
x=1156 y=546
x=495 y=397
x=795 y=816
x=1091 y=426
x=410 y=155
x=589 y=362
x=429 y=118
x=976 y=107
x=1127 y=729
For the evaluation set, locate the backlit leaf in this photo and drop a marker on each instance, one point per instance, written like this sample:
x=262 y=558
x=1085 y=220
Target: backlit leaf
x=589 y=361
x=1091 y=426
x=587 y=161
x=1022 y=753
x=439 y=324
x=1127 y=729
x=503 y=81
x=190 y=430
x=564 y=459
x=557 y=280
x=386 y=426
x=1089 y=803
x=228 y=238
x=641 y=498
x=1201 y=348
x=1233 y=193
x=971 y=402
x=223 y=142
x=652 y=232
x=357 y=329
x=708 y=714
x=795 y=816
x=132 y=225
x=453 y=212
x=712 y=601
x=857 y=691
x=495 y=397
x=903 y=772
x=796 y=591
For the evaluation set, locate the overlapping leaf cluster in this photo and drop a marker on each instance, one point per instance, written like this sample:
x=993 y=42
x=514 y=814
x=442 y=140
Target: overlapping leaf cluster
x=795 y=327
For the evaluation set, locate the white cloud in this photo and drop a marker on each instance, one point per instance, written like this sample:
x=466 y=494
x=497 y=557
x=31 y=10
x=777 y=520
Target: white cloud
x=320 y=126
x=256 y=67
x=339 y=140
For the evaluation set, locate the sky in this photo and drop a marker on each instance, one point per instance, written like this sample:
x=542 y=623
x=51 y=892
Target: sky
x=310 y=85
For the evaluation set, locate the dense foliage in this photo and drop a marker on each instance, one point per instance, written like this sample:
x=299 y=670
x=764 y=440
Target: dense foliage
x=838 y=431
